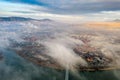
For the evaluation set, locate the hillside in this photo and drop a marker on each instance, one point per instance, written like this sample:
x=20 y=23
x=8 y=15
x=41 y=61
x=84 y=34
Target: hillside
x=105 y=25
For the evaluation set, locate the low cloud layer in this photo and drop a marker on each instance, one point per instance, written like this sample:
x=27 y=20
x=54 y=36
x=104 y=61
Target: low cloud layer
x=56 y=37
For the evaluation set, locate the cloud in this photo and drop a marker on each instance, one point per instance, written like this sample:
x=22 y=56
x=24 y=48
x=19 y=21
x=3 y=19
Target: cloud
x=74 y=6
x=32 y=11
x=9 y=6
x=103 y=15
x=80 y=6
x=69 y=11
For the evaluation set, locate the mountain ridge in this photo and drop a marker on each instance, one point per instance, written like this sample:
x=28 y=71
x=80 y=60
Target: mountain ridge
x=21 y=19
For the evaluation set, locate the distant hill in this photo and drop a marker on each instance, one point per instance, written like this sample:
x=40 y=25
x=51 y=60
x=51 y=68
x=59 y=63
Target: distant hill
x=22 y=19
x=15 y=19
x=103 y=25
x=117 y=20
x=49 y=20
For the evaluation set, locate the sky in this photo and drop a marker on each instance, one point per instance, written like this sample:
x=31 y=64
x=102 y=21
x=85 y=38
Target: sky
x=64 y=10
